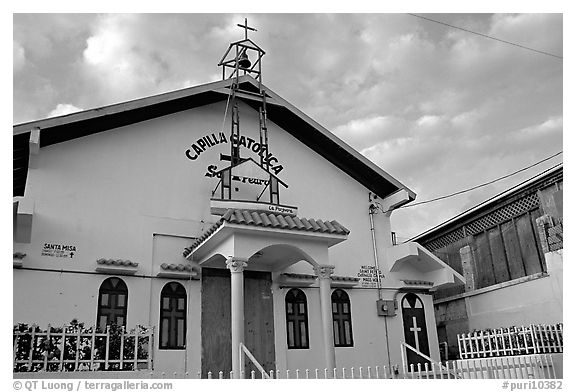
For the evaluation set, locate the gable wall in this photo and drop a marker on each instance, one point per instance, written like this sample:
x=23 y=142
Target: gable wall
x=131 y=193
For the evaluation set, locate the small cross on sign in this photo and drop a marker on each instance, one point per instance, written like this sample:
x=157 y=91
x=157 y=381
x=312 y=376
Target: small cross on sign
x=246 y=28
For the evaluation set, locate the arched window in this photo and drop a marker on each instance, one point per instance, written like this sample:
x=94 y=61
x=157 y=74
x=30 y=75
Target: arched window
x=342 y=319
x=296 y=319
x=112 y=303
x=173 y=316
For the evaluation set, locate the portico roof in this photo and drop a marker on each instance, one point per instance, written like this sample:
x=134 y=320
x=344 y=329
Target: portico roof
x=266 y=241
x=271 y=221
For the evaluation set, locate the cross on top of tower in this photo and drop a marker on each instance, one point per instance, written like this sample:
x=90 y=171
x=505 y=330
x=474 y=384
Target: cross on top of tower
x=246 y=28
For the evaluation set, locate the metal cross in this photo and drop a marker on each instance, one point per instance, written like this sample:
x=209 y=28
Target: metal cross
x=246 y=28
x=415 y=329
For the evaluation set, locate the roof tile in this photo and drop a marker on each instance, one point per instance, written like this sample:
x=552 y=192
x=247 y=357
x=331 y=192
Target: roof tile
x=117 y=262
x=278 y=221
x=176 y=267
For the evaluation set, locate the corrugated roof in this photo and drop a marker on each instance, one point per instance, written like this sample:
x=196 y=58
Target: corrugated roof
x=274 y=221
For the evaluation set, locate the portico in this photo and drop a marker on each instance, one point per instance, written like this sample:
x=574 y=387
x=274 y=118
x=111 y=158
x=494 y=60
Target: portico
x=252 y=240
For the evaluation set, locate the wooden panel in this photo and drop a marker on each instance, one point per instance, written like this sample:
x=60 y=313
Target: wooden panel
x=446 y=254
x=454 y=260
x=216 y=321
x=259 y=320
x=528 y=246
x=513 y=252
x=482 y=260
x=499 y=260
x=535 y=214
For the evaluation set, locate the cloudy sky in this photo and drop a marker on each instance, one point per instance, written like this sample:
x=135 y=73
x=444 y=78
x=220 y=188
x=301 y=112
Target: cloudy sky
x=439 y=108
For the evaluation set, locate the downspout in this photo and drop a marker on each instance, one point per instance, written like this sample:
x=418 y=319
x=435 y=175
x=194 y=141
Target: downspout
x=373 y=209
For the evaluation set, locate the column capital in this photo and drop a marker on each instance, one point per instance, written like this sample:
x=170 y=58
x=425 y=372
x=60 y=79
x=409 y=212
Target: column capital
x=235 y=264
x=324 y=271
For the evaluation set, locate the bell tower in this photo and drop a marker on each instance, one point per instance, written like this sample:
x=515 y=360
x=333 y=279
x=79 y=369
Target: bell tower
x=244 y=58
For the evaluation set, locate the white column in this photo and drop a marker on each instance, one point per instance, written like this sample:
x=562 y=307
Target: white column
x=236 y=267
x=323 y=272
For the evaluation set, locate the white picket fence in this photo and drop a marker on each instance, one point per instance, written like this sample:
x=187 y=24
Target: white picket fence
x=534 y=339
x=536 y=366
x=539 y=366
x=74 y=348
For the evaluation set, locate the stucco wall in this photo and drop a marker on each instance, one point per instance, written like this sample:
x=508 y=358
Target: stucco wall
x=537 y=301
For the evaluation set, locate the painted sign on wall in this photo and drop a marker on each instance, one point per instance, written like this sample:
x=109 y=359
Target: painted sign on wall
x=369 y=277
x=211 y=140
x=58 y=250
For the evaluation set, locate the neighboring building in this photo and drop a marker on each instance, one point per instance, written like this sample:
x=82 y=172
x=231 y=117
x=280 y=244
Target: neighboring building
x=149 y=213
x=509 y=249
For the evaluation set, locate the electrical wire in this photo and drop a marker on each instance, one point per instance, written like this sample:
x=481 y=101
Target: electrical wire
x=480 y=185
x=226 y=110
x=487 y=36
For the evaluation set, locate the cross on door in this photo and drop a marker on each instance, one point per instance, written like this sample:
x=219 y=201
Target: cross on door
x=415 y=329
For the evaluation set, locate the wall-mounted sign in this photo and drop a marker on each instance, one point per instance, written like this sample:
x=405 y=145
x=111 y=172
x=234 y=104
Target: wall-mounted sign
x=58 y=250
x=219 y=207
x=369 y=277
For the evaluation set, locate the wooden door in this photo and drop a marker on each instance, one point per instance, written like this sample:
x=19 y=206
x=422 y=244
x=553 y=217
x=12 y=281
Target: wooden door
x=216 y=320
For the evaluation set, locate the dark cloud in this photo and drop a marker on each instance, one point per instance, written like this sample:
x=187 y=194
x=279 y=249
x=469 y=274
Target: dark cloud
x=439 y=108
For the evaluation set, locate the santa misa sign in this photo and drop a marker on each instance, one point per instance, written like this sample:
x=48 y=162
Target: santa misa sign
x=58 y=250
x=214 y=139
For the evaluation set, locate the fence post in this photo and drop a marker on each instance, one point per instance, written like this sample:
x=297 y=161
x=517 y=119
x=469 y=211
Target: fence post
x=93 y=348
x=150 y=346
x=77 y=356
x=122 y=330
x=32 y=343
x=15 y=349
x=61 y=366
x=136 y=335
x=47 y=344
x=107 y=347
x=534 y=340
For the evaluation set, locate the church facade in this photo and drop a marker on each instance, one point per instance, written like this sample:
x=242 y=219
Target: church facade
x=152 y=212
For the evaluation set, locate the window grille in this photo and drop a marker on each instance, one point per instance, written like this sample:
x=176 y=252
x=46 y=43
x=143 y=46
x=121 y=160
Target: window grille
x=112 y=303
x=173 y=316
x=342 y=319
x=296 y=319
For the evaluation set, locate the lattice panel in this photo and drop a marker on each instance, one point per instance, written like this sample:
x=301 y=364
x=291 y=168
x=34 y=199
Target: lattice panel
x=445 y=240
x=503 y=214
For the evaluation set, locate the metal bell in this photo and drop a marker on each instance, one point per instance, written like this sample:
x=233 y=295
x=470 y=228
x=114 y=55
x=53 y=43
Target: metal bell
x=244 y=61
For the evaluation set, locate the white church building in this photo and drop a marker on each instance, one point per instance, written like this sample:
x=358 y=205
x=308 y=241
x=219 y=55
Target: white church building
x=223 y=218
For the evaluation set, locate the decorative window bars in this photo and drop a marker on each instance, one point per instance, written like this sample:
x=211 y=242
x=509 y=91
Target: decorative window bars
x=173 y=317
x=342 y=319
x=296 y=319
